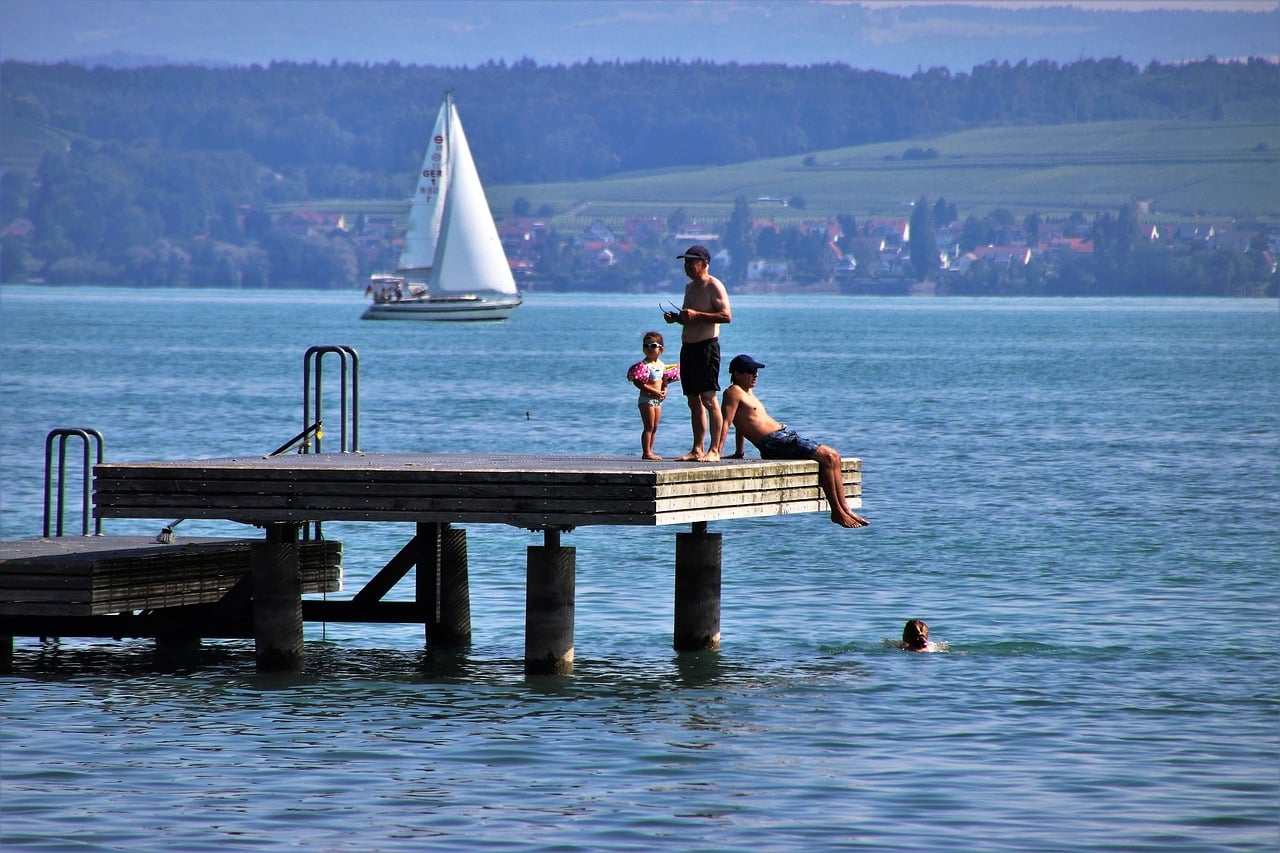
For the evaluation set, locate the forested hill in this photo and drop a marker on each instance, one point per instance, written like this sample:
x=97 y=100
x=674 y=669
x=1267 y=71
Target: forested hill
x=170 y=175
x=359 y=130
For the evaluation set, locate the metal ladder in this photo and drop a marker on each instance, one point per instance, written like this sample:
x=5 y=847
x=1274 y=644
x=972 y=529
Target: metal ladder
x=55 y=492
x=312 y=388
x=349 y=405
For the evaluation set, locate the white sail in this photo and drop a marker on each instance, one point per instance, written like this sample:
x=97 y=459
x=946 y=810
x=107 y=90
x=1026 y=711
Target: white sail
x=452 y=266
x=427 y=209
x=469 y=255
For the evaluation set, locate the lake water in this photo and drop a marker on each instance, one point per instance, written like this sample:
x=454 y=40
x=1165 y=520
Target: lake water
x=1078 y=496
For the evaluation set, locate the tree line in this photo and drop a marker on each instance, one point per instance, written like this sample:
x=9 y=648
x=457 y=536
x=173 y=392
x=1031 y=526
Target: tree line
x=167 y=171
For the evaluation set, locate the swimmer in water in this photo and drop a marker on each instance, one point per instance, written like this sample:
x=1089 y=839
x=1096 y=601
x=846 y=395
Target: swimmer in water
x=915 y=636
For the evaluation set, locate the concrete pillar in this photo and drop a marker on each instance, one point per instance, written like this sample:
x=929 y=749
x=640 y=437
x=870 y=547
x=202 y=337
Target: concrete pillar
x=277 y=599
x=697 y=611
x=548 y=614
x=442 y=585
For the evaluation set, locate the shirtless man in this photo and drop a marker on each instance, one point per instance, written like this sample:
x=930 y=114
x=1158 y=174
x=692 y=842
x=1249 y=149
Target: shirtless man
x=743 y=409
x=706 y=306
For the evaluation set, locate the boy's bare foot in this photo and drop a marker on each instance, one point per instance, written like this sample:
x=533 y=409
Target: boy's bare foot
x=691 y=456
x=711 y=456
x=848 y=519
x=652 y=456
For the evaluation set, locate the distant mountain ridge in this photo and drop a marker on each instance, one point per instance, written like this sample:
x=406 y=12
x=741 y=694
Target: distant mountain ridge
x=119 y=59
x=897 y=38
x=357 y=130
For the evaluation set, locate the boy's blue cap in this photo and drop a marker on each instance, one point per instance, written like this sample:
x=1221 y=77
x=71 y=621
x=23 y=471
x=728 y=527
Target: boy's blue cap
x=696 y=253
x=743 y=364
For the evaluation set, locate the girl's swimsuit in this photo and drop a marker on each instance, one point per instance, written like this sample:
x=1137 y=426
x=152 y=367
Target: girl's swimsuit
x=656 y=369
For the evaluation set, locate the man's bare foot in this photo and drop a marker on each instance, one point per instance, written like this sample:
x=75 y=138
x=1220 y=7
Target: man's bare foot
x=848 y=519
x=711 y=456
x=651 y=456
x=691 y=456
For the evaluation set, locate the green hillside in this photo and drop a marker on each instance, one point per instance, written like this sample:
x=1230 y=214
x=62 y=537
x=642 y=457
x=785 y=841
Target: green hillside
x=23 y=143
x=1182 y=168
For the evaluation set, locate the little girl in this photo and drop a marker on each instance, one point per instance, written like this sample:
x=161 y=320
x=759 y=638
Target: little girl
x=651 y=376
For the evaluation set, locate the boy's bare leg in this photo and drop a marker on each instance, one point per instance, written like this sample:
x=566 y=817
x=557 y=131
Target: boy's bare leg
x=831 y=478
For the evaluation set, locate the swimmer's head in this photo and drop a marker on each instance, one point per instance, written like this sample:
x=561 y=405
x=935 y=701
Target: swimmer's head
x=915 y=636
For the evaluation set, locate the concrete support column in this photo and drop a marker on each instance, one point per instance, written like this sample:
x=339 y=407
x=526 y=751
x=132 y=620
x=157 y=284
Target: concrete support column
x=277 y=599
x=548 y=614
x=697 y=611
x=443 y=587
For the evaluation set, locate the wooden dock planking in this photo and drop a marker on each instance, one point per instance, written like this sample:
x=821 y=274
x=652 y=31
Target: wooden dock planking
x=524 y=491
x=104 y=575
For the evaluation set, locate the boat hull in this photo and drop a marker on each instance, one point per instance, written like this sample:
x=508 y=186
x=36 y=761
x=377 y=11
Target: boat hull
x=445 y=308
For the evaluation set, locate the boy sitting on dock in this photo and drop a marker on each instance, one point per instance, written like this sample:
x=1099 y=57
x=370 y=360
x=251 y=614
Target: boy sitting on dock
x=742 y=409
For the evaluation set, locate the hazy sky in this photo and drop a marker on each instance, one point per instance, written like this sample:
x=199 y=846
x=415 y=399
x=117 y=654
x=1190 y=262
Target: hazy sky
x=891 y=35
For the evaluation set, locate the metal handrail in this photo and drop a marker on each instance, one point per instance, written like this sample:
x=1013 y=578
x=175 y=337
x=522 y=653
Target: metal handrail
x=349 y=363
x=88 y=436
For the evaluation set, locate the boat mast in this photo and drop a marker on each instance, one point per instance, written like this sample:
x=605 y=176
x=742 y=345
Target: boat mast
x=446 y=188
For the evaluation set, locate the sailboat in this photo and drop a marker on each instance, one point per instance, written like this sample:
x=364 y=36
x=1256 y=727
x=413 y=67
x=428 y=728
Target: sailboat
x=452 y=266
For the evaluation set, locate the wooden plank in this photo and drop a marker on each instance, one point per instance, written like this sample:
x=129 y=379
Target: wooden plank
x=95 y=575
x=386 y=468
x=211 y=505
x=582 y=490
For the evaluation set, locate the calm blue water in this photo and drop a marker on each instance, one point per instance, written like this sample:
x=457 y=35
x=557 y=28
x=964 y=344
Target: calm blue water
x=1078 y=496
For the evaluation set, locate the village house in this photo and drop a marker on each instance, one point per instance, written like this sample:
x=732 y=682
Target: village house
x=304 y=223
x=1066 y=244
x=521 y=236
x=379 y=226
x=638 y=228
x=894 y=262
x=892 y=232
x=762 y=270
x=695 y=233
x=1005 y=256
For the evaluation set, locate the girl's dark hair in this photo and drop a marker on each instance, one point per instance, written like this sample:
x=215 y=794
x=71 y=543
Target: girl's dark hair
x=915 y=635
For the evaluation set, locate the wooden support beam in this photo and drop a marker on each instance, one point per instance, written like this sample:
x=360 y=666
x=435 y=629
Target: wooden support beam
x=549 y=602
x=697 y=596
x=452 y=627
x=277 y=600
x=443 y=586
x=390 y=574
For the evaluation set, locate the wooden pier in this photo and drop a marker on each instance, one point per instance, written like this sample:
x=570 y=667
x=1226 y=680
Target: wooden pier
x=283 y=494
